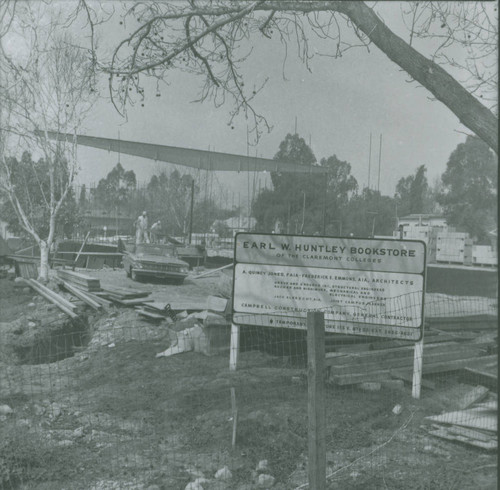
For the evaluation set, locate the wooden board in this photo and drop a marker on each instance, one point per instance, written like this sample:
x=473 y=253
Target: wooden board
x=89 y=283
x=217 y=304
x=150 y=315
x=470 y=438
x=473 y=396
x=391 y=355
x=489 y=380
x=407 y=375
x=381 y=374
x=473 y=418
x=126 y=302
x=27 y=270
x=125 y=293
x=472 y=351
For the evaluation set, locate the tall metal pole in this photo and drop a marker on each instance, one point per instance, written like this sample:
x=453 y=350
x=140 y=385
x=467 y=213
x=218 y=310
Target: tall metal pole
x=191 y=211
x=370 y=161
x=379 y=160
x=303 y=214
x=324 y=206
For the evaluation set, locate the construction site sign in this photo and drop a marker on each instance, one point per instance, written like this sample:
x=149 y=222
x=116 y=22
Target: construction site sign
x=364 y=286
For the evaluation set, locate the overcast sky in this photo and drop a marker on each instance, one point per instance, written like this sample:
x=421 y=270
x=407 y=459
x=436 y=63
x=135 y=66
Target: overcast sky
x=337 y=106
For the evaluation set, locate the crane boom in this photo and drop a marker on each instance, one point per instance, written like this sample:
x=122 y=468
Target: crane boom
x=200 y=159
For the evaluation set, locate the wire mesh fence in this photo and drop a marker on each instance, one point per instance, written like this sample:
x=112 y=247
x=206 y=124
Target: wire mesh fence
x=113 y=408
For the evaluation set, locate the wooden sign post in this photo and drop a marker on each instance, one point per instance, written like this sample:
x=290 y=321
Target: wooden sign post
x=316 y=400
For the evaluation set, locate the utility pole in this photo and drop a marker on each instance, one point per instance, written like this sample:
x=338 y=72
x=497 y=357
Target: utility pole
x=324 y=206
x=303 y=214
x=373 y=224
x=379 y=160
x=370 y=161
x=191 y=211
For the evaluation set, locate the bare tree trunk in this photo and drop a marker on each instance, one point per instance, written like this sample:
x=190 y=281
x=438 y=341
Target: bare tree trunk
x=44 y=261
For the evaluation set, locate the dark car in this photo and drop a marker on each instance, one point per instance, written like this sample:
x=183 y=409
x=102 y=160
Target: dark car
x=158 y=261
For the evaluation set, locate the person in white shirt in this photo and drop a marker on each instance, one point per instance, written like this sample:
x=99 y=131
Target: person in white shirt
x=142 y=229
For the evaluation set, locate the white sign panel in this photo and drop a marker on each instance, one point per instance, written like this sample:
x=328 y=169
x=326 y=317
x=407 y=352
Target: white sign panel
x=366 y=287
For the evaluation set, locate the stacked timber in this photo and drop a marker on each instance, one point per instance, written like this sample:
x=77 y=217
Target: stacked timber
x=87 y=298
x=82 y=281
x=124 y=296
x=90 y=255
x=26 y=268
x=476 y=424
x=50 y=295
x=156 y=311
x=397 y=362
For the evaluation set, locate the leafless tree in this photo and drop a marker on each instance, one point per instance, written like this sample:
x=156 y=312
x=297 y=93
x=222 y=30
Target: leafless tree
x=213 y=38
x=46 y=82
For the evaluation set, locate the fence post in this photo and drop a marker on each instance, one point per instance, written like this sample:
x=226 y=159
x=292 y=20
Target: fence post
x=234 y=348
x=316 y=400
x=418 y=360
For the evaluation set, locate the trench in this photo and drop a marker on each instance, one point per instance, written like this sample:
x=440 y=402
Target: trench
x=54 y=343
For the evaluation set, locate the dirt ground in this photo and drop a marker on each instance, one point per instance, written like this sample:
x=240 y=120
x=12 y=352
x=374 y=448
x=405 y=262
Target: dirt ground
x=113 y=416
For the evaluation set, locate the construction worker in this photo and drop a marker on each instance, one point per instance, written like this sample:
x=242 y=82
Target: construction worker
x=155 y=232
x=141 y=235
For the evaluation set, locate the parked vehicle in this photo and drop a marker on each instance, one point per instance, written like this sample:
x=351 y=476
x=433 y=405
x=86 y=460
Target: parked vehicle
x=155 y=260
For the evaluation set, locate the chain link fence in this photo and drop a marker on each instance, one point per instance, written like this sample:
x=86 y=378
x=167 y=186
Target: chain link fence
x=98 y=403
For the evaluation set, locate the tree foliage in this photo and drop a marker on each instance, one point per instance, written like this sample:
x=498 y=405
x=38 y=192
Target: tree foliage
x=294 y=195
x=369 y=213
x=116 y=189
x=305 y=203
x=412 y=193
x=32 y=185
x=168 y=198
x=469 y=195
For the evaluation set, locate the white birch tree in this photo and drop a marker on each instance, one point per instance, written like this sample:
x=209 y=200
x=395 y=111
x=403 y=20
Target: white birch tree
x=47 y=82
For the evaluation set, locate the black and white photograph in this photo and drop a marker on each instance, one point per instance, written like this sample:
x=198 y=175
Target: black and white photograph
x=248 y=244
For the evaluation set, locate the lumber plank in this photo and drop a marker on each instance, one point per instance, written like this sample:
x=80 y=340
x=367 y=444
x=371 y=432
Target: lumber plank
x=126 y=302
x=81 y=295
x=84 y=254
x=125 y=293
x=472 y=418
x=476 y=322
x=407 y=375
x=56 y=296
x=380 y=374
x=492 y=405
x=443 y=433
x=211 y=271
x=350 y=379
x=132 y=301
x=148 y=314
x=473 y=396
x=82 y=247
x=369 y=357
x=466 y=432
x=93 y=295
x=217 y=304
x=52 y=299
x=469 y=374
x=442 y=367
x=407 y=361
x=78 y=279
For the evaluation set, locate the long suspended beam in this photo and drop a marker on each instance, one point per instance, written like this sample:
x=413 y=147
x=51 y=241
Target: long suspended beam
x=201 y=159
